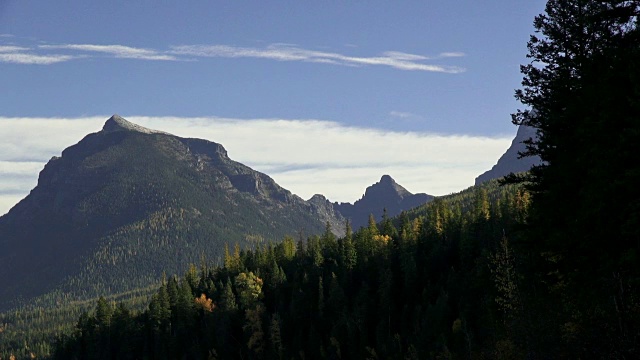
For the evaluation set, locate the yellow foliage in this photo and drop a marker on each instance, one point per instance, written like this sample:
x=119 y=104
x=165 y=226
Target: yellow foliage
x=382 y=238
x=204 y=303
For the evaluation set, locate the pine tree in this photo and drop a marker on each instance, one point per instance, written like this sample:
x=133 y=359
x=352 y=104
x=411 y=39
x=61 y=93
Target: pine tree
x=228 y=298
x=373 y=227
x=387 y=226
x=275 y=337
x=350 y=255
x=320 y=312
x=104 y=311
x=583 y=87
x=253 y=330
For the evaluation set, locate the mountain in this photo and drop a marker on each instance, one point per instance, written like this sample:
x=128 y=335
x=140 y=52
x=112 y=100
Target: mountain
x=385 y=194
x=509 y=161
x=128 y=203
x=325 y=211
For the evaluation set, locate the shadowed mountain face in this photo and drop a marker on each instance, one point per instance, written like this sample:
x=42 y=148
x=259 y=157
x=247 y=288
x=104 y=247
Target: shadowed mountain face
x=126 y=203
x=385 y=194
x=509 y=161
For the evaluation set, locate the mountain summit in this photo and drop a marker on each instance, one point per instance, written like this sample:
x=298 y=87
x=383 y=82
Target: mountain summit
x=127 y=203
x=386 y=188
x=385 y=194
x=118 y=123
x=510 y=162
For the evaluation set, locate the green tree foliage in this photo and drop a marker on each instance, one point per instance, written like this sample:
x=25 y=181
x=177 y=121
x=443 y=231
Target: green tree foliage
x=414 y=293
x=249 y=289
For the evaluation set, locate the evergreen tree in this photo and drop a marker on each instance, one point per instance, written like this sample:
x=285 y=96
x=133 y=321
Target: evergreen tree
x=275 y=337
x=583 y=84
x=228 y=298
x=348 y=255
x=254 y=332
x=387 y=226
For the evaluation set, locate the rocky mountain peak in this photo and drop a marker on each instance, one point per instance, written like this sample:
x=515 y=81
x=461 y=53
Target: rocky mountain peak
x=317 y=198
x=168 y=200
x=387 y=179
x=386 y=187
x=385 y=194
x=510 y=161
x=118 y=123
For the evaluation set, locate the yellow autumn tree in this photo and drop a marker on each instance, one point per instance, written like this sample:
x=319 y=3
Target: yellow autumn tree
x=204 y=303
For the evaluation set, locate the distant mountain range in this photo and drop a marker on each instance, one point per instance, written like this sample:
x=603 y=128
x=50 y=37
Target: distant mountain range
x=383 y=195
x=126 y=203
x=510 y=162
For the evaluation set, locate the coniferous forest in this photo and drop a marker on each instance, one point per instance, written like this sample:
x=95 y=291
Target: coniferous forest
x=403 y=288
x=544 y=265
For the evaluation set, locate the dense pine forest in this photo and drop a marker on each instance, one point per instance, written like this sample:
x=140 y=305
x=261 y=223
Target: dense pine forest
x=455 y=231
x=439 y=284
x=544 y=265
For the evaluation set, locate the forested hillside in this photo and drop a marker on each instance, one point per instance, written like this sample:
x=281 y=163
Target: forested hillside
x=455 y=233
x=440 y=284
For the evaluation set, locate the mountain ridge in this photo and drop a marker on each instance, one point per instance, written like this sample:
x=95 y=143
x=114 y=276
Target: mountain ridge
x=129 y=201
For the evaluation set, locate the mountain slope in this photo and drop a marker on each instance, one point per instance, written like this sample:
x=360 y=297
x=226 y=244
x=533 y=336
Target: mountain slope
x=509 y=161
x=385 y=194
x=127 y=203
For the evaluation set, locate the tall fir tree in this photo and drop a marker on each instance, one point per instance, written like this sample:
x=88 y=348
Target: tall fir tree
x=582 y=86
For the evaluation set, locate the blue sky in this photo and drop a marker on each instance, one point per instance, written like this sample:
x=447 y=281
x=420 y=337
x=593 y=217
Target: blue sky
x=411 y=68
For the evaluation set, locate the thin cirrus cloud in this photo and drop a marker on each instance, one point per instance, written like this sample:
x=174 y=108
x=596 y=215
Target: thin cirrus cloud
x=118 y=51
x=47 y=54
x=452 y=54
x=304 y=156
x=287 y=52
x=24 y=55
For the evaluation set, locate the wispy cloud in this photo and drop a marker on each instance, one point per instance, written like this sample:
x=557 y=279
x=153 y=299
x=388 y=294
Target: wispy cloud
x=33 y=59
x=304 y=156
x=45 y=54
x=23 y=55
x=118 y=51
x=451 y=54
x=11 y=48
x=287 y=52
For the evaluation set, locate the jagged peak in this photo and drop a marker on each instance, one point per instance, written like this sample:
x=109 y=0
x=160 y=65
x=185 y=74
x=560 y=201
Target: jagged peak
x=387 y=179
x=118 y=123
x=318 y=197
x=387 y=182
